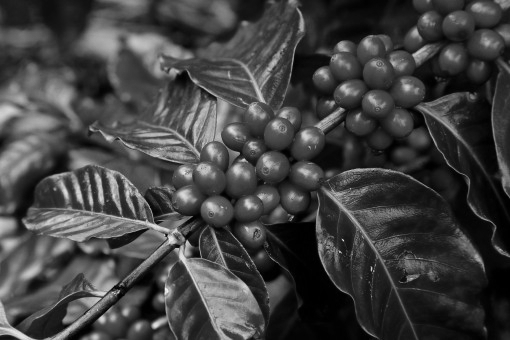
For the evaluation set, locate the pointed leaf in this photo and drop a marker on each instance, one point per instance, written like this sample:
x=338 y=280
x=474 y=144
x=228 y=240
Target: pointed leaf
x=180 y=123
x=160 y=201
x=7 y=329
x=461 y=129
x=394 y=246
x=89 y=202
x=501 y=127
x=255 y=65
x=206 y=301
x=221 y=247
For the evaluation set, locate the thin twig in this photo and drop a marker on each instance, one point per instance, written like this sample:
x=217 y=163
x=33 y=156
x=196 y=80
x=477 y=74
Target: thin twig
x=334 y=119
x=427 y=52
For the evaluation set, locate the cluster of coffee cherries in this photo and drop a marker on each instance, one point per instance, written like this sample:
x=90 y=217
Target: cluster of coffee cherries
x=474 y=33
x=257 y=182
x=375 y=84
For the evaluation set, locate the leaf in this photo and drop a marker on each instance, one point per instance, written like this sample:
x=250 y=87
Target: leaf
x=7 y=329
x=461 y=129
x=221 y=247
x=160 y=201
x=255 y=65
x=48 y=321
x=206 y=301
x=180 y=123
x=501 y=127
x=89 y=202
x=393 y=245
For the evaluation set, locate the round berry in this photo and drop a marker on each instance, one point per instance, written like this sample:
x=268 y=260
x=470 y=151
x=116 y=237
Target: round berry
x=234 y=135
x=293 y=199
x=277 y=215
x=132 y=313
x=403 y=155
x=420 y=139
x=378 y=73
x=209 y=178
x=423 y=6
x=308 y=143
x=504 y=31
x=458 y=26
x=430 y=26
x=158 y=302
x=486 y=13
x=278 y=134
x=112 y=323
x=217 y=153
x=183 y=175
x=248 y=208
x=95 y=335
x=253 y=149
x=141 y=329
x=217 y=211
x=292 y=114
x=323 y=80
x=403 y=63
x=273 y=167
x=345 y=66
x=413 y=41
x=256 y=116
x=388 y=43
x=453 y=59
x=377 y=104
x=269 y=196
x=349 y=93
x=485 y=44
x=241 y=179
x=370 y=47
x=263 y=261
x=447 y=6
x=252 y=235
x=478 y=71
x=187 y=200
x=345 y=46
x=325 y=105
x=306 y=175
x=407 y=91
x=379 y=140
x=399 y=123
x=359 y=123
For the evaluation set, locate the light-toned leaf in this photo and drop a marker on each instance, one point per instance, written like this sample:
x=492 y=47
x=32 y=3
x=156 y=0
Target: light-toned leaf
x=7 y=329
x=501 y=127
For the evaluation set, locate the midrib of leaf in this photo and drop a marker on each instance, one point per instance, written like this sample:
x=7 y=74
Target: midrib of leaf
x=175 y=132
x=216 y=241
x=260 y=96
x=15 y=333
x=374 y=249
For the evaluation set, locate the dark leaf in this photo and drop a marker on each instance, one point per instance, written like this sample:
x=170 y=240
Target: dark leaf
x=394 y=246
x=305 y=66
x=7 y=329
x=180 y=123
x=460 y=126
x=143 y=246
x=206 y=301
x=160 y=201
x=221 y=247
x=255 y=65
x=89 y=202
x=501 y=127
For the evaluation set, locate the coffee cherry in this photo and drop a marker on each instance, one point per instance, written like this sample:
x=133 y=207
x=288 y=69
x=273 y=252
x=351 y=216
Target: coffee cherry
x=278 y=134
x=248 y=208
x=453 y=59
x=306 y=175
x=445 y=7
x=504 y=31
x=253 y=149
x=263 y=262
x=112 y=323
x=241 y=179
x=413 y=41
x=323 y=80
x=420 y=139
x=256 y=116
x=399 y=123
x=308 y=143
x=486 y=14
x=377 y=104
x=325 y=105
x=293 y=199
x=378 y=73
x=269 y=196
x=370 y=47
x=379 y=140
x=141 y=329
x=345 y=46
x=423 y=6
x=349 y=93
x=277 y=215
x=292 y=114
x=215 y=152
x=252 y=235
x=209 y=179
x=388 y=43
x=430 y=26
x=183 y=175
x=458 y=26
x=234 y=135
x=407 y=91
x=132 y=313
x=345 y=66
x=478 y=71
x=217 y=211
x=485 y=44
x=359 y=123
x=273 y=167
x=403 y=63
x=187 y=200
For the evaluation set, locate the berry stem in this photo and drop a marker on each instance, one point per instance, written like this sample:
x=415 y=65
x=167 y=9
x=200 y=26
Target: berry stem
x=427 y=52
x=334 y=119
x=503 y=65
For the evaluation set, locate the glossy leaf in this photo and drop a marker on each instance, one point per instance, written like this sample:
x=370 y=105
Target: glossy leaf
x=206 y=301
x=394 y=246
x=181 y=121
x=89 y=202
x=255 y=65
x=160 y=201
x=501 y=127
x=221 y=247
x=7 y=329
x=461 y=129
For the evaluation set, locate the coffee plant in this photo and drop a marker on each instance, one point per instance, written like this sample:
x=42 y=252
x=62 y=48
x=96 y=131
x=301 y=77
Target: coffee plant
x=255 y=170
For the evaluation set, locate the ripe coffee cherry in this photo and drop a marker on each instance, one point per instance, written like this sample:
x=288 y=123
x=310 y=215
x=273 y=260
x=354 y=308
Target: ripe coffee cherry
x=141 y=329
x=112 y=323
x=217 y=153
x=253 y=149
x=345 y=46
x=403 y=63
x=378 y=73
x=183 y=175
x=293 y=199
x=485 y=44
x=323 y=80
x=377 y=104
x=345 y=66
x=217 y=211
x=413 y=41
x=278 y=134
x=407 y=91
x=420 y=139
x=306 y=175
x=256 y=116
x=248 y=208
x=379 y=140
x=273 y=167
x=187 y=200
x=430 y=26
x=325 y=105
x=388 y=43
x=263 y=262
x=234 y=135
x=241 y=179
x=479 y=71
x=308 y=143
x=458 y=26
x=423 y=6
x=504 y=31
x=132 y=313
x=399 y=123
x=269 y=196
x=292 y=114
x=252 y=235
x=453 y=59
x=403 y=155
x=445 y=7
x=370 y=47
x=209 y=178
x=349 y=93
x=486 y=13
x=359 y=123
x=278 y=215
